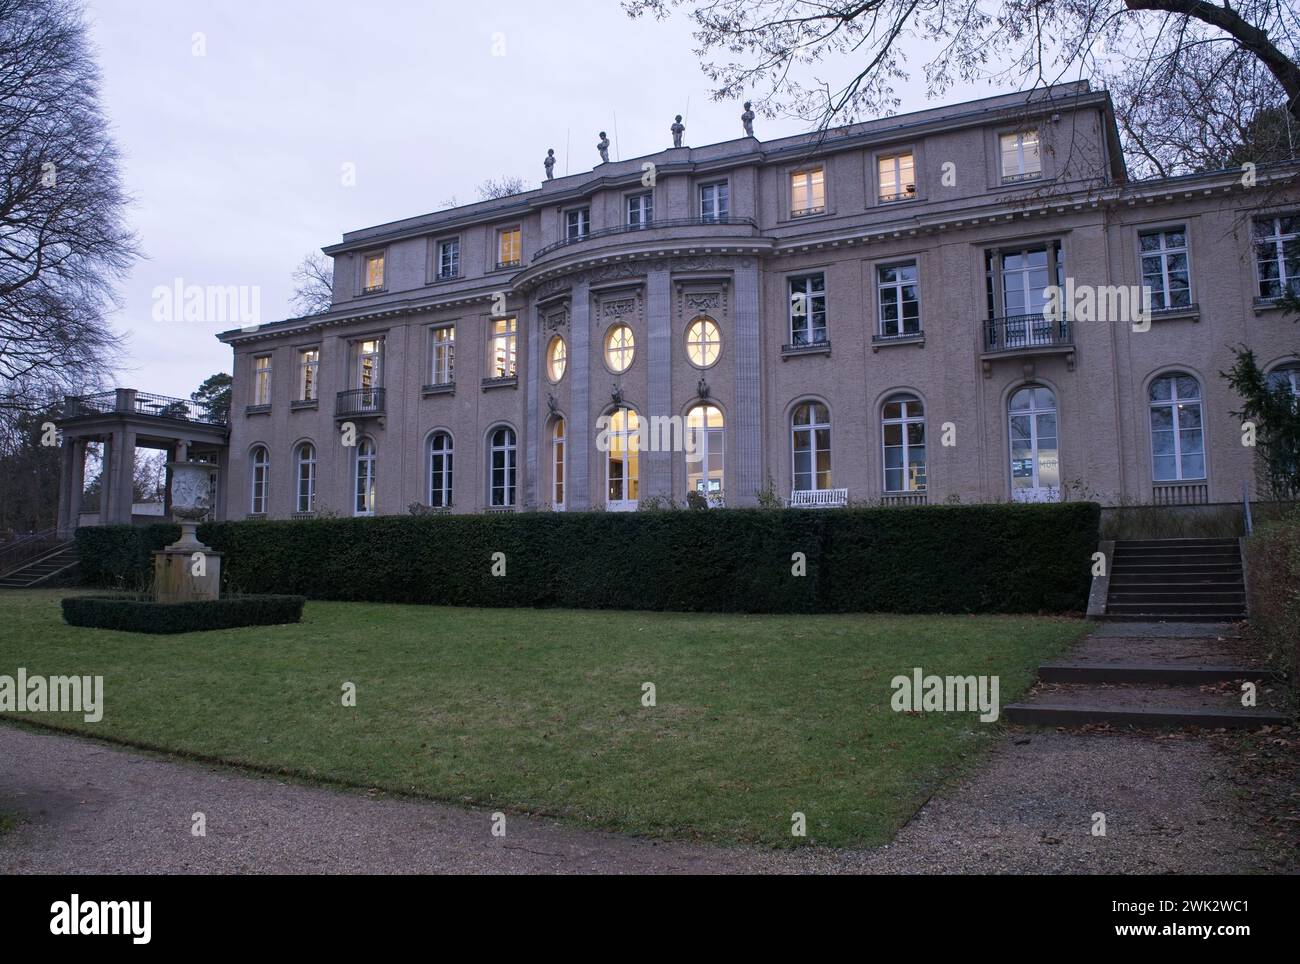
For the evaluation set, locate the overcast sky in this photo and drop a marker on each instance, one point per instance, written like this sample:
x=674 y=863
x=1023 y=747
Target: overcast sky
x=234 y=157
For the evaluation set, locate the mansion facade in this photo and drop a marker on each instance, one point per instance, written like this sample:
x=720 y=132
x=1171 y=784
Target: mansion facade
x=861 y=314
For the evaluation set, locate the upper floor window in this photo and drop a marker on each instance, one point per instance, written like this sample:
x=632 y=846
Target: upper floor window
x=808 y=309
x=807 y=192
x=1286 y=376
x=898 y=300
x=715 y=203
x=306 y=477
x=509 y=247
x=1018 y=279
x=577 y=224
x=364 y=487
x=640 y=210
x=1177 y=433
x=1277 y=253
x=262 y=380
x=896 y=180
x=501 y=468
x=308 y=368
x=442 y=347
x=902 y=427
x=448 y=259
x=259 y=479
x=620 y=348
x=1020 y=156
x=502 y=357
x=1164 y=267
x=703 y=342
x=369 y=359
x=810 y=444
x=374 y=279
x=440 y=459
x=556 y=358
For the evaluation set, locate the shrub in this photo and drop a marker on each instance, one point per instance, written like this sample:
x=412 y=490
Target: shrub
x=142 y=615
x=1273 y=581
x=976 y=558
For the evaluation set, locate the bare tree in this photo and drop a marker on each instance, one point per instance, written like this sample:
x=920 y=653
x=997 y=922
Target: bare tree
x=313 y=280
x=501 y=187
x=63 y=238
x=766 y=46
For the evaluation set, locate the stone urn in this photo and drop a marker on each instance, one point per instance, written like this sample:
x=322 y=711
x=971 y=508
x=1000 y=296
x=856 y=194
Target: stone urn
x=188 y=570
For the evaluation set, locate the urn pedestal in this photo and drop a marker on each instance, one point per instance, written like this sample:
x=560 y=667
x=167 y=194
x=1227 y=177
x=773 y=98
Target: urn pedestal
x=187 y=570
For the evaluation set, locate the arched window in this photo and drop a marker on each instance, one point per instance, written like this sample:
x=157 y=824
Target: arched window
x=619 y=348
x=1035 y=452
x=557 y=465
x=902 y=427
x=1286 y=376
x=306 y=477
x=810 y=441
x=704 y=453
x=501 y=468
x=1177 y=429
x=703 y=342
x=260 y=475
x=364 y=490
x=622 y=460
x=440 y=456
x=556 y=358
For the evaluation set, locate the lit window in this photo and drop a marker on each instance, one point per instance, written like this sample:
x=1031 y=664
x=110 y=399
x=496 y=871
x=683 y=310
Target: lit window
x=260 y=464
x=509 y=248
x=364 y=491
x=501 y=468
x=374 y=272
x=1020 y=157
x=898 y=302
x=369 y=359
x=577 y=224
x=1277 y=254
x=640 y=210
x=808 y=310
x=714 y=202
x=443 y=350
x=622 y=461
x=501 y=348
x=557 y=465
x=807 y=192
x=619 y=348
x=440 y=457
x=1177 y=433
x=704 y=456
x=703 y=342
x=262 y=380
x=556 y=359
x=810 y=442
x=903 y=441
x=306 y=477
x=308 y=367
x=897 y=181
x=449 y=258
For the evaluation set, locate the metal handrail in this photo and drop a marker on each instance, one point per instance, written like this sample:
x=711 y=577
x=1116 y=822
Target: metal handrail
x=645 y=226
x=1245 y=502
x=1033 y=330
x=20 y=551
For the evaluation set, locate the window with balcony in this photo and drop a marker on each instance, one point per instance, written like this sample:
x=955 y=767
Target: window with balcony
x=898 y=301
x=1277 y=255
x=262 y=380
x=448 y=265
x=1164 y=268
x=306 y=466
x=1018 y=282
x=902 y=427
x=807 y=192
x=363 y=492
x=509 y=247
x=259 y=462
x=374 y=273
x=705 y=429
x=442 y=352
x=369 y=355
x=577 y=224
x=620 y=348
x=895 y=178
x=502 y=357
x=1020 y=156
x=640 y=210
x=501 y=468
x=308 y=369
x=1177 y=429
x=715 y=203
x=440 y=466
x=556 y=358
x=810 y=446
x=808 y=309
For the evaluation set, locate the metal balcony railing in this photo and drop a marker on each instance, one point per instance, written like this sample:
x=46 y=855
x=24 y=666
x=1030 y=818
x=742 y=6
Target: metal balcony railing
x=360 y=401
x=707 y=221
x=130 y=402
x=1018 y=332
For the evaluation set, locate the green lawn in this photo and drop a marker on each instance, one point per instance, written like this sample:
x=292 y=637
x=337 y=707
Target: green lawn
x=540 y=711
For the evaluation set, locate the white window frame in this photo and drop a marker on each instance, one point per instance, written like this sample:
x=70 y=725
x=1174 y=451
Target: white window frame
x=366 y=260
x=805 y=325
x=1174 y=403
x=309 y=374
x=503 y=345
x=559 y=452
x=441 y=482
x=259 y=479
x=577 y=223
x=447 y=259
x=803 y=191
x=1037 y=492
x=1276 y=240
x=1163 y=253
x=1022 y=171
x=365 y=493
x=708 y=442
x=640 y=209
x=442 y=354
x=811 y=428
x=516 y=248
x=631 y=445
x=508 y=449
x=899 y=186
x=715 y=202
x=895 y=291
x=554 y=360
x=703 y=344
x=304 y=462
x=262 y=379
x=903 y=421
x=625 y=351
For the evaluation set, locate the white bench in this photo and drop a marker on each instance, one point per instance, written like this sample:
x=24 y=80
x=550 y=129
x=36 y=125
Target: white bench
x=818 y=498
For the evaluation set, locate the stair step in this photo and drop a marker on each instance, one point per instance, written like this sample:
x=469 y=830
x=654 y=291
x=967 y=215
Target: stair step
x=1175 y=542
x=1171 y=618
x=1169 y=674
x=1178 y=597
x=1212 y=704
x=1047 y=714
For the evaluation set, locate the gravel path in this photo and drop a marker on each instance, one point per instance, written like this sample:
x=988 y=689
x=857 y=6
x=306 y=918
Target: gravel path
x=86 y=807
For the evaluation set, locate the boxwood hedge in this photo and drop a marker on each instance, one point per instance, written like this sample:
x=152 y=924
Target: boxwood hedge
x=954 y=559
x=143 y=615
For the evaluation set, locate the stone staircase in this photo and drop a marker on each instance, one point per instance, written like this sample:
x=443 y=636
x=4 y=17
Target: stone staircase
x=1179 y=580
x=60 y=558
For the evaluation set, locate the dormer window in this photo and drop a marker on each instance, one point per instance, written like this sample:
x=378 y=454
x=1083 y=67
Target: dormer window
x=1020 y=156
x=374 y=273
x=807 y=192
x=509 y=247
x=896 y=178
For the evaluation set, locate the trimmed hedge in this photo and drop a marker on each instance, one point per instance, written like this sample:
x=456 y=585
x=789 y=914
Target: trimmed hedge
x=142 y=615
x=955 y=559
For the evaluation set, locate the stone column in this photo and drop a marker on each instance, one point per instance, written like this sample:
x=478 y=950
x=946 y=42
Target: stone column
x=77 y=486
x=530 y=426
x=657 y=467
x=121 y=469
x=747 y=478
x=581 y=440
x=66 y=521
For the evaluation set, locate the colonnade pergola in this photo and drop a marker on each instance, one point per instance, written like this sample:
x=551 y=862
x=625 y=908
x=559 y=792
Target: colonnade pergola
x=122 y=420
